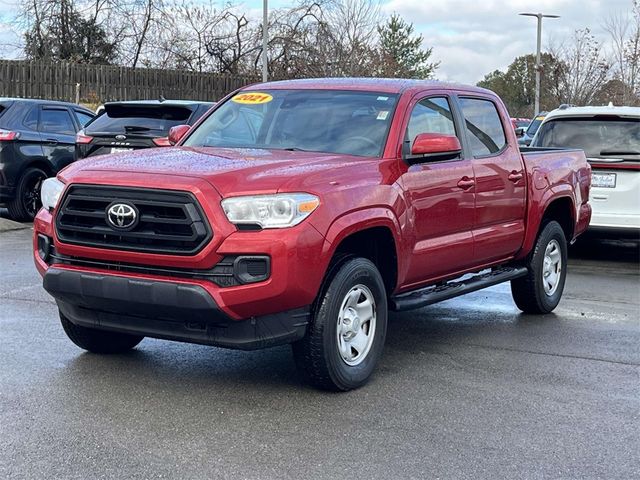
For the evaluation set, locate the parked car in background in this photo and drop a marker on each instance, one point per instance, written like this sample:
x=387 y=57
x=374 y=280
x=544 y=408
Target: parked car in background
x=301 y=212
x=610 y=137
x=37 y=139
x=131 y=125
x=530 y=131
x=520 y=123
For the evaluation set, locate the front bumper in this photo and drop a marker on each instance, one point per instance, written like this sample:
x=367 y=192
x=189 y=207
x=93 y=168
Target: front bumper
x=296 y=267
x=167 y=310
x=176 y=296
x=615 y=221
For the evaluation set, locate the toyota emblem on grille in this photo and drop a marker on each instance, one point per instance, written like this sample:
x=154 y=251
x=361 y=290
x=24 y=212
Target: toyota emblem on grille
x=122 y=216
x=121 y=137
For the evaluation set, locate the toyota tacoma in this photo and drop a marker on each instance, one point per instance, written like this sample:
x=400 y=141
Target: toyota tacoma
x=301 y=212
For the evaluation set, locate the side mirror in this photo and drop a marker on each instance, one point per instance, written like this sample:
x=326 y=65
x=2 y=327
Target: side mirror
x=520 y=132
x=176 y=133
x=436 y=145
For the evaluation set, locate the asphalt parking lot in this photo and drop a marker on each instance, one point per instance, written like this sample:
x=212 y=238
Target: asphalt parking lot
x=469 y=388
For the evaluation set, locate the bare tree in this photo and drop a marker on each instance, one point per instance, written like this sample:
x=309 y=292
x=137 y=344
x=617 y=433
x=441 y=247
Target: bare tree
x=232 y=46
x=312 y=38
x=353 y=24
x=582 y=69
x=188 y=31
x=295 y=41
x=624 y=31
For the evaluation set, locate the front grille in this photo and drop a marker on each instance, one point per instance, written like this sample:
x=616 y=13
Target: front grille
x=168 y=222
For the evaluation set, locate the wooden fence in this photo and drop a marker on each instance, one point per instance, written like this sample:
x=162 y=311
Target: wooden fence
x=102 y=83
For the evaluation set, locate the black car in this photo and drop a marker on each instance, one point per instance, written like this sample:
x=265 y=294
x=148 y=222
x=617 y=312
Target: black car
x=130 y=125
x=37 y=139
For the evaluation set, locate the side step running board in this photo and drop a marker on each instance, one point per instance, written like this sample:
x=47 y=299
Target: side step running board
x=438 y=293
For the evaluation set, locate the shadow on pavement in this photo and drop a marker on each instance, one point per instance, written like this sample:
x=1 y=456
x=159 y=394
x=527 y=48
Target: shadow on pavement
x=593 y=248
x=6 y=224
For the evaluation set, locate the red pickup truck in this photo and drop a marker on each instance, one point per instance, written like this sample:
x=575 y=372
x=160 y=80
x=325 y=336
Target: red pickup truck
x=301 y=212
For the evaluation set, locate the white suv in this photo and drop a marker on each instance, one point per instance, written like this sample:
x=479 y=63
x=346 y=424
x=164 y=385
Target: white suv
x=610 y=137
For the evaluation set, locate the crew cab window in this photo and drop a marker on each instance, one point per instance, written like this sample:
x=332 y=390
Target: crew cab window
x=430 y=115
x=56 y=121
x=483 y=125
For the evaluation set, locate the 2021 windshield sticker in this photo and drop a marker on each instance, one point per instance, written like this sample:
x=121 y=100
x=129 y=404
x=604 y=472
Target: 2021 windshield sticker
x=252 y=98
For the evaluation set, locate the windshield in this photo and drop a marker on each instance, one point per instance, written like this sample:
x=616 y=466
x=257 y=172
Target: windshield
x=612 y=137
x=345 y=122
x=534 y=125
x=152 y=120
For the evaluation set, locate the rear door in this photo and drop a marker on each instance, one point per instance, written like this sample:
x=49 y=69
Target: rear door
x=58 y=134
x=500 y=191
x=440 y=195
x=21 y=118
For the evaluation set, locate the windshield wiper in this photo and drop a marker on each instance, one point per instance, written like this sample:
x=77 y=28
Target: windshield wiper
x=620 y=152
x=294 y=149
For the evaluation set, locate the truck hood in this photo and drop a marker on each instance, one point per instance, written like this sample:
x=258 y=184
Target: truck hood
x=229 y=170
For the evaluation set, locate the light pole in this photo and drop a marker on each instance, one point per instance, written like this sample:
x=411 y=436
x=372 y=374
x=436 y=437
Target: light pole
x=539 y=16
x=265 y=40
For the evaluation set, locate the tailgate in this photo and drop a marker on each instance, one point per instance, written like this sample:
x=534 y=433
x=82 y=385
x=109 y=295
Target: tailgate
x=615 y=194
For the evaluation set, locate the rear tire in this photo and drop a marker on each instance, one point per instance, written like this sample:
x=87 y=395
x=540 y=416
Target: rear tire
x=98 y=341
x=541 y=289
x=26 y=203
x=346 y=337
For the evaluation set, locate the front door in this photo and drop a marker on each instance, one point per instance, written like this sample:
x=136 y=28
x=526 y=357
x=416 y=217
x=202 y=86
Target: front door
x=440 y=197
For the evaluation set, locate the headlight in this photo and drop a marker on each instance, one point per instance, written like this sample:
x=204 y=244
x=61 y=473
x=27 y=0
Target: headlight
x=270 y=211
x=50 y=192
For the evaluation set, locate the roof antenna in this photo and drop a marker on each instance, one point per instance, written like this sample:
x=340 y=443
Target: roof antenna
x=610 y=104
x=161 y=99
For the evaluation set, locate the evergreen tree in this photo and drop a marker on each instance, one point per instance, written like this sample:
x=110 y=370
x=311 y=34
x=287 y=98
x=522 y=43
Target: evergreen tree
x=60 y=32
x=401 y=51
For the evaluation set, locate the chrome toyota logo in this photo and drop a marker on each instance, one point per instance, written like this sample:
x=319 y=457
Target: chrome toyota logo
x=121 y=137
x=122 y=216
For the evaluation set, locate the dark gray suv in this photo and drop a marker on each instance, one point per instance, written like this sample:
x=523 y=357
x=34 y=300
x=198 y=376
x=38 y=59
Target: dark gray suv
x=37 y=139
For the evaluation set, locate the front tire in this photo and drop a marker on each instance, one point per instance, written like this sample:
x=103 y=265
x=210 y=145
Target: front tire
x=346 y=337
x=98 y=341
x=541 y=289
x=26 y=203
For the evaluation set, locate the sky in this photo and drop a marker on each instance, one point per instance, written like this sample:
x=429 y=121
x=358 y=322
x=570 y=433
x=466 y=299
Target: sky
x=470 y=38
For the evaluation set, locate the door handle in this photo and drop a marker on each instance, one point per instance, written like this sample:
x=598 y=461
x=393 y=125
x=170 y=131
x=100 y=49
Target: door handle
x=52 y=141
x=515 y=176
x=466 y=183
